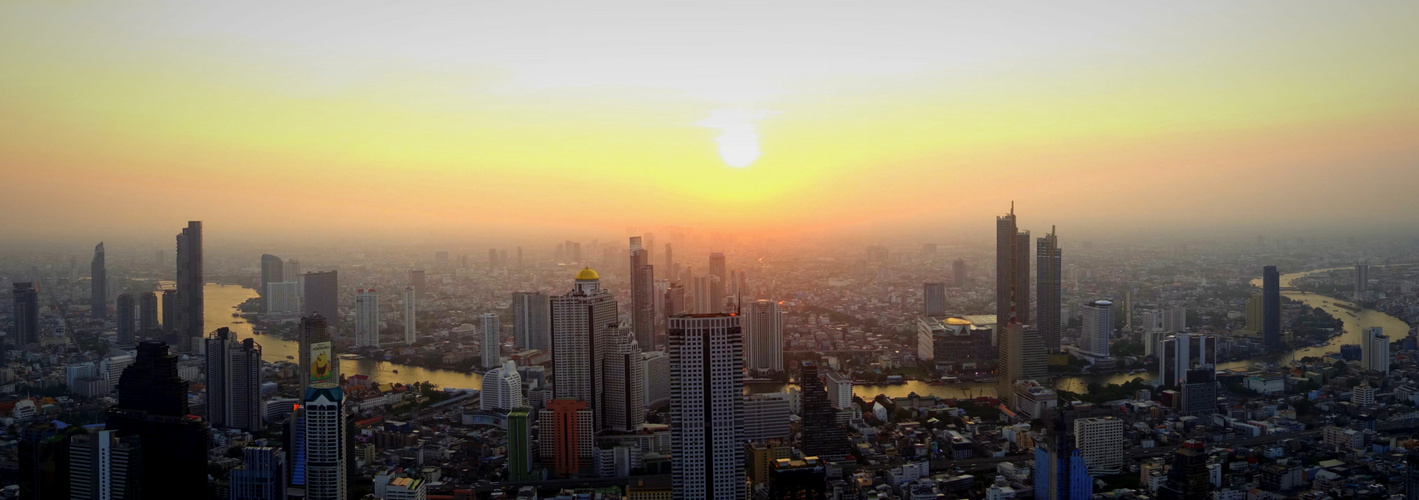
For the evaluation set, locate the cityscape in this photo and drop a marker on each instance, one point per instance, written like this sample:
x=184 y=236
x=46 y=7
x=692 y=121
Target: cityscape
x=730 y=251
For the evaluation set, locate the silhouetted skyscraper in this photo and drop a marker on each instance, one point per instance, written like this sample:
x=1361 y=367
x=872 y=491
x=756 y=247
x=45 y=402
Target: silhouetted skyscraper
x=190 y=314
x=233 y=382
x=26 y=313
x=716 y=269
x=822 y=436
x=416 y=280
x=148 y=321
x=642 y=295
x=1012 y=271
x=124 y=310
x=169 y=312
x=98 y=284
x=583 y=320
x=322 y=295
x=152 y=404
x=1048 y=282
x=1271 y=306
x=706 y=406
x=262 y=475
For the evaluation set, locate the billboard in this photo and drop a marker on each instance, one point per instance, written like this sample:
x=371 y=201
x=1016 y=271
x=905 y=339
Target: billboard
x=322 y=364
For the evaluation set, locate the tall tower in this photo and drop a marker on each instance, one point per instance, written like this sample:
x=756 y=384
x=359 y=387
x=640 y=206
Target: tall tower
x=103 y=465
x=1374 y=353
x=190 y=313
x=763 y=336
x=26 y=314
x=1048 y=283
x=233 y=382
x=367 y=318
x=152 y=404
x=1020 y=355
x=823 y=437
x=98 y=285
x=492 y=341
x=519 y=440
x=318 y=362
x=325 y=444
x=1271 y=306
x=148 y=321
x=273 y=270
x=1098 y=326
x=1362 y=281
x=1060 y=471
x=416 y=280
x=1188 y=478
x=716 y=269
x=531 y=317
x=642 y=294
x=583 y=321
x=706 y=407
x=411 y=332
x=958 y=273
x=625 y=384
x=1012 y=271
x=321 y=295
x=933 y=298
x=124 y=309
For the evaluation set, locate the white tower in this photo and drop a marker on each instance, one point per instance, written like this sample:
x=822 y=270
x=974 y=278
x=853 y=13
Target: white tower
x=583 y=322
x=366 y=318
x=492 y=341
x=706 y=406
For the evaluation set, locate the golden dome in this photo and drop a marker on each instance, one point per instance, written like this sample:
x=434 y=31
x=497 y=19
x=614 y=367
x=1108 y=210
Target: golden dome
x=587 y=274
x=958 y=321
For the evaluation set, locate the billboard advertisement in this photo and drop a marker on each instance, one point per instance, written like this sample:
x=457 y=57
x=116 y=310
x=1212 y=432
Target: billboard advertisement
x=322 y=364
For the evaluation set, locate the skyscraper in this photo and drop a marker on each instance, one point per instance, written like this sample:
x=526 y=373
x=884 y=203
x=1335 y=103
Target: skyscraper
x=152 y=404
x=564 y=435
x=583 y=321
x=763 y=336
x=1011 y=279
x=1020 y=355
x=519 y=442
x=104 y=466
x=933 y=298
x=416 y=280
x=169 y=313
x=1100 y=442
x=642 y=294
x=273 y=270
x=322 y=295
x=502 y=388
x=708 y=299
x=26 y=314
x=325 y=443
x=492 y=340
x=98 y=284
x=367 y=318
x=1175 y=319
x=706 y=406
x=625 y=383
x=1060 y=471
x=822 y=436
x=1362 y=281
x=1374 y=353
x=1188 y=477
x=411 y=332
x=1098 y=327
x=1271 y=306
x=669 y=260
x=233 y=382
x=190 y=315
x=1048 y=289
x=148 y=320
x=716 y=269
x=531 y=321
x=319 y=365
x=262 y=475
x=1183 y=352
x=958 y=273
x=127 y=322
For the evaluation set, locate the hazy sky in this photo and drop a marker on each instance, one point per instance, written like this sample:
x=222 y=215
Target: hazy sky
x=534 y=118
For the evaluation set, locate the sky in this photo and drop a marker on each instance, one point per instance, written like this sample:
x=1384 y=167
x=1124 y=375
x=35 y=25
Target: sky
x=520 y=120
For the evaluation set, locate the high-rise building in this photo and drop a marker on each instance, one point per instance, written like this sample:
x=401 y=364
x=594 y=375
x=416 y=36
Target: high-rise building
x=502 y=388
x=319 y=365
x=190 y=314
x=564 y=435
x=326 y=446
x=958 y=273
x=531 y=321
x=583 y=321
x=625 y=383
x=283 y=297
x=1100 y=442
x=706 y=406
x=1362 y=281
x=1183 y=352
x=1374 y=352
x=148 y=321
x=642 y=294
x=1199 y=393
x=669 y=260
x=103 y=466
x=1098 y=327
x=1175 y=319
x=1188 y=478
x=1411 y=476
x=839 y=390
x=233 y=382
x=169 y=312
x=1020 y=356
x=321 y=295
x=152 y=404
x=519 y=443
x=1255 y=314
x=933 y=296
x=273 y=270
x=491 y=330
x=416 y=280
x=367 y=318
x=655 y=371
x=1049 y=281
x=766 y=416
x=823 y=437
x=1012 y=271
x=98 y=284
x=26 y=313
x=708 y=298
x=763 y=336
x=127 y=320
x=410 y=304
x=1060 y=471
x=675 y=301
x=262 y=475
x=1271 y=307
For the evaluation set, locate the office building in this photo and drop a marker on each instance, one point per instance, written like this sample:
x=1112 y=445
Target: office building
x=564 y=435
x=519 y=444
x=958 y=273
x=124 y=310
x=717 y=288
x=169 y=312
x=410 y=305
x=1049 y=281
x=326 y=446
x=1255 y=314
x=933 y=297
x=416 y=280
x=1199 y=393
x=763 y=336
x=839 y=390
x=820 y=418
x=1362 y=281
x=1060 y=471
x=321 y=295
x=319 y=364
x=531 y=321
x=366 y=318
x=98 y=284
x=1271 y=307
x=1175 y=319
x=283 y=297
x=233 y=369
x=1020 y=356
x=625 y=383
x=707 y=299
x=262 y=475
x=1374 y=352
x=492 y=340
x=1100 y=441
x=190 y=315
x=1012 y=271
x=766 y=416
x=273 y=270
x=655 y=371
x=149 y=323
x=1188 y=478
x=642 y=295
x=26 y=313
x=502 y=388
x=1098 y=327
x=707 y=406
x=1183 y=352
x=957 y=344
x=152 y=404
x=103 y=466
x=583 y=321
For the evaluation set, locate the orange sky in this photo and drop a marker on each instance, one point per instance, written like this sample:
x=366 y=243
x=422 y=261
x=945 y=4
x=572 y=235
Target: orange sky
x=465 y=120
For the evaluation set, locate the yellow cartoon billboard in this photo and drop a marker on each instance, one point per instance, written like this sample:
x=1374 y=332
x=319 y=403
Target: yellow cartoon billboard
x=322 y=364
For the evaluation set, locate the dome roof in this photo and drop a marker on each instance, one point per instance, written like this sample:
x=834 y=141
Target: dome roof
x=587 y=274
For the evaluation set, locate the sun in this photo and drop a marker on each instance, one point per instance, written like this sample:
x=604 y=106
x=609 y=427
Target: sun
x=738 y=139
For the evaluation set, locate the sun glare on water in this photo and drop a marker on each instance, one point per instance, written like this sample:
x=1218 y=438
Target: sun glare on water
x=738 y=140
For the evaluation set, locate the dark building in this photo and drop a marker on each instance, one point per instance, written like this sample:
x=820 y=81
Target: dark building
x=1188 y=476
x=148 y=321
x=1060 y=471
x=314 y=333
x=44 y=460
x=804 y=479
x=233 y=373
x=933 y=298
x=1012 y=271
x=1271 y=306
x=190 y=313
x=169 y=312
x=127 y=323
x=1351 y=352
x=822 y=436
x=416 y=280
x=322 y=295
x=273 y=270
x=1199 y=393
x=152 y=404
x=98 y=284
x=643 y=295
x=26 y=314
x=1411 y=476
x=1048 y=280
x=958 y=273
